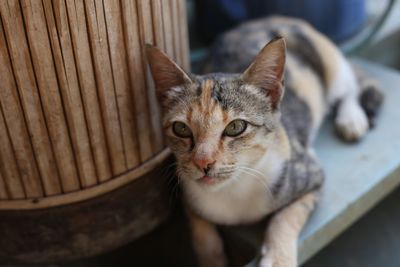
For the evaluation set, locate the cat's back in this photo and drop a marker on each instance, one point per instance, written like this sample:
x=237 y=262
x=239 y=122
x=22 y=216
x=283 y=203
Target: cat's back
x=312 y=64
x=234 y=51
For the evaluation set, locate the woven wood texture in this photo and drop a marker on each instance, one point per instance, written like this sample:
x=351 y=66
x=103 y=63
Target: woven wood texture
x=77 y=103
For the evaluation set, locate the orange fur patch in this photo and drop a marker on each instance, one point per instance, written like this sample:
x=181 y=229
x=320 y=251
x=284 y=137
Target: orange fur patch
x=189 y=115
x=206 y=104
x=225 y=117
x=259 y=150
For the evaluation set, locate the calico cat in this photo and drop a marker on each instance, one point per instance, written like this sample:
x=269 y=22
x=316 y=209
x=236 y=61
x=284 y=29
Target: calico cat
x=243 y=134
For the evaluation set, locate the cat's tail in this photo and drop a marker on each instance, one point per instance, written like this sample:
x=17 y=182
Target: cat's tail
x=371 y=96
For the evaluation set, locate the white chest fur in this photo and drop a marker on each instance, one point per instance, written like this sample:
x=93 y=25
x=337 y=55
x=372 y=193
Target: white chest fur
x=244 y=200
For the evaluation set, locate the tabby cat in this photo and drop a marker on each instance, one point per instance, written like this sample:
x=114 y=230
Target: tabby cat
x=243 y=142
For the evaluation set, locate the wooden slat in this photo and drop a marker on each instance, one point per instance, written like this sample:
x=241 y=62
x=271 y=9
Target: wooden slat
x=3 y=189
x=15 y=121
x=137 y=77
x=57 y=23
x=19 y=53
x=79 y=104
x=121 y=81
x=103 y=71
x=83 y=60
x=146 y=36
x=175 y=32
x=158 y=28
x=184 y=35
x=8 y=165
x=45 y=74
x=91 y=192
x=168 y=31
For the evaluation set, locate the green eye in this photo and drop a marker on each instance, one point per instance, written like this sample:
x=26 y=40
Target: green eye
x=181 y=129
x=235 y=128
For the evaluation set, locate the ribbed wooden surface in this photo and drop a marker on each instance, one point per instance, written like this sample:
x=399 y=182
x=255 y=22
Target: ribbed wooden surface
x=77 y=103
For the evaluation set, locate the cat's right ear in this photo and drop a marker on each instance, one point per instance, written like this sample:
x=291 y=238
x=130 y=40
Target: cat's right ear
x=267 y=69
x=166 y=73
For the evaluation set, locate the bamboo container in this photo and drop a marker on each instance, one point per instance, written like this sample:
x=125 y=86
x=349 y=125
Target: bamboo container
x=78 y=111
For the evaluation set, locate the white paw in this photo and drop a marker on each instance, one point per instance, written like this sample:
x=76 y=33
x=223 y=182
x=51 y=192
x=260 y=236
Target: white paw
x=266 y=259
x=282 y=262
x=351 y=121
x=265 y=262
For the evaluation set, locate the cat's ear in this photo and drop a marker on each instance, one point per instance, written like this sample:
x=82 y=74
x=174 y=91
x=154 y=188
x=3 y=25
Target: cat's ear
x=267 y=69
x=166 y=73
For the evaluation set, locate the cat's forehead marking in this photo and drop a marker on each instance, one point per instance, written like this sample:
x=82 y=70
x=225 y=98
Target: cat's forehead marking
x=189 y=114
x=205 y=115
x=225 y=116
x=207 y=87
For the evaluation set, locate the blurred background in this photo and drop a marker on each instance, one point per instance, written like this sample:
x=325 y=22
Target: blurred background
x=362 y=28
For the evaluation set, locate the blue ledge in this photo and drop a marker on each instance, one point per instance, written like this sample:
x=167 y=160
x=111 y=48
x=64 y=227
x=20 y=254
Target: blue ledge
x=357 y=175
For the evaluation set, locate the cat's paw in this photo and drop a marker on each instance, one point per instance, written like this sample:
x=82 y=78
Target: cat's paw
x=265 y=262
x=270 y=262
x=351 y=122
x=266 y=258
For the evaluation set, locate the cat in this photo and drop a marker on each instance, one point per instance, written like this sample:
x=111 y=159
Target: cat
x=242 y=135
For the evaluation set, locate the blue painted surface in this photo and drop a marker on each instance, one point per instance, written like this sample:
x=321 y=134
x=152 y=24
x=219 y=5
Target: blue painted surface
x=338 y=19
x=357 y=175
x=373 y=241
x=354 y=171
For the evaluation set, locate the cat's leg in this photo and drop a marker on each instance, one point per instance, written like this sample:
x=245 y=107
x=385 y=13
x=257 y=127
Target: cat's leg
x=280 y=242
x=207 y=243
x=351 y=121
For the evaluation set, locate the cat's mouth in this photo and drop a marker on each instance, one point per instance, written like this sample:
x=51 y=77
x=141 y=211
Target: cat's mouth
x=211 y=179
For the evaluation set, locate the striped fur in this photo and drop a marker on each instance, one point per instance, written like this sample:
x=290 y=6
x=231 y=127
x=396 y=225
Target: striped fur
x=236 y=180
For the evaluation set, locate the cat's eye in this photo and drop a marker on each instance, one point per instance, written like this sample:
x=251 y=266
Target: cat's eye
x=235 y=128
x=182 y=130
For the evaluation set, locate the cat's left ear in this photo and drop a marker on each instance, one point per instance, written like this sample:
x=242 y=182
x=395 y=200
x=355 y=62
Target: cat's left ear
x=166 y=73
x=267 y=69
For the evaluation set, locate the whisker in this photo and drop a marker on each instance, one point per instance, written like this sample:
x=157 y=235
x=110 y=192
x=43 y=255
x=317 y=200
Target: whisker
x=225 y=172
x=257 y=175
x=175 y=188
x=252 y=169
x=168 y=172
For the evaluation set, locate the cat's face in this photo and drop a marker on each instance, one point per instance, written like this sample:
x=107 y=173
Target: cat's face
x=219 y=126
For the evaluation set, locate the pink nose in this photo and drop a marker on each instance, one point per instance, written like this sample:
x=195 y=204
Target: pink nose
x=204 y=164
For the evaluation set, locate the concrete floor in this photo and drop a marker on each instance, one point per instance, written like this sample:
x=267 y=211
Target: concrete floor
x=374 y=241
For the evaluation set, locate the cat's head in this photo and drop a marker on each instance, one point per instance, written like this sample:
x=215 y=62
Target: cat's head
x=219 y=126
